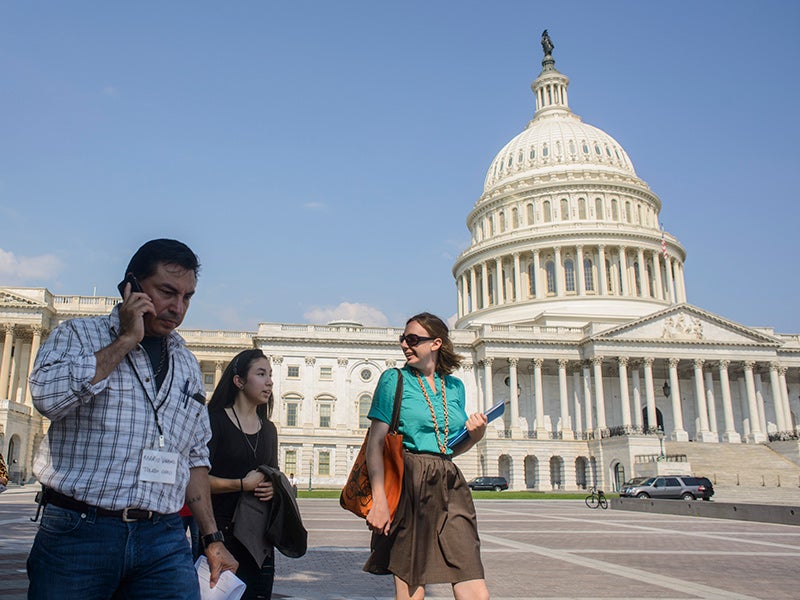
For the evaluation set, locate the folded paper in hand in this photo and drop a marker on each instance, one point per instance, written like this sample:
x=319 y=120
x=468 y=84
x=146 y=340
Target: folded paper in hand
x=229 y=586
x=491 y=414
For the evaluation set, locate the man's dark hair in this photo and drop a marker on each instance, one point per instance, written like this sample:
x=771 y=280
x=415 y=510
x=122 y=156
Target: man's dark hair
x=162 y=251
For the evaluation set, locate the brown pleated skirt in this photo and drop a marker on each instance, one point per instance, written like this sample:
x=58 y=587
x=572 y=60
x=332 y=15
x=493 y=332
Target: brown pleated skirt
x=434 y=536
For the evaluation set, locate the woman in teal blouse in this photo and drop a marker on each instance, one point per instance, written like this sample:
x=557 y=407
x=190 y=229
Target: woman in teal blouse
x=434 y=535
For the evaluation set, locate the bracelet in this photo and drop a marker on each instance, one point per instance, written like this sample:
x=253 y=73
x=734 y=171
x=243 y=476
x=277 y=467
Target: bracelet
x=241 y=484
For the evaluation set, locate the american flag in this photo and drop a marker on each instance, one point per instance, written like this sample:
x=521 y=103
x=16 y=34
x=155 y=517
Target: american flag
x=663 y=242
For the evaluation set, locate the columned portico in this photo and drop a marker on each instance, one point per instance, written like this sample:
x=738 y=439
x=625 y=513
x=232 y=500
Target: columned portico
x=678 y=432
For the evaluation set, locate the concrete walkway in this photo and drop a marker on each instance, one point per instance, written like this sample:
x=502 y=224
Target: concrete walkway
x=554 y=550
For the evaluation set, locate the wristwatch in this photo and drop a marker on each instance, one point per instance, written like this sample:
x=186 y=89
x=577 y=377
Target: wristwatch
x=212 y=537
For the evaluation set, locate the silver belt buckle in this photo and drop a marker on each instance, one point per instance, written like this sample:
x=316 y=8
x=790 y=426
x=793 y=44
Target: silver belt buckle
x=127 y=519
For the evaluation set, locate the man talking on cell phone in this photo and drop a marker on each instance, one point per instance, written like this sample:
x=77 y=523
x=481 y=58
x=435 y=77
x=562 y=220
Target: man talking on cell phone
x=127 y=444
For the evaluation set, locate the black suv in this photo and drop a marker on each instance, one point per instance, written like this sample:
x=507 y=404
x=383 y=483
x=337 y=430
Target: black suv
x=488 y=483
x=671 y=486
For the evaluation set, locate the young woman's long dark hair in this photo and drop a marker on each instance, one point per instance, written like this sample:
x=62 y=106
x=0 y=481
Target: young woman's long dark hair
x=225 y=393
x=447 y=360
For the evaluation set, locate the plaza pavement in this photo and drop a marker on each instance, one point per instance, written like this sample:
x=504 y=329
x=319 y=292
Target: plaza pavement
x=553 y=550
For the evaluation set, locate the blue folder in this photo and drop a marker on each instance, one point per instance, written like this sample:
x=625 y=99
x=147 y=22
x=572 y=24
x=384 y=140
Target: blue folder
x=491 y=414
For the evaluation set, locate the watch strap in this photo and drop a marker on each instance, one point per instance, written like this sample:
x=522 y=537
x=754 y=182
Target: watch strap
x=210 y=538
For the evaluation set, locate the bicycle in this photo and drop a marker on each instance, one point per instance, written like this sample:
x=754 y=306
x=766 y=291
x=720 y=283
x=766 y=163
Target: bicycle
x=596 y=498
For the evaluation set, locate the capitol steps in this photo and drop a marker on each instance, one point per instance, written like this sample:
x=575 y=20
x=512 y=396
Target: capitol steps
x=743 y=472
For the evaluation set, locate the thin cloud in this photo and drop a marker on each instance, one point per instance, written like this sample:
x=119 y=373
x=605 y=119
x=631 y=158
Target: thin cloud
x=318 y=206
x=347 y=311
x=111 y=91
x=16 y=270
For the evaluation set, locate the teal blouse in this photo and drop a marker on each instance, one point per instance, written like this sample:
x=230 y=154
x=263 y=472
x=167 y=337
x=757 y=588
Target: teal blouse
x=416 y=423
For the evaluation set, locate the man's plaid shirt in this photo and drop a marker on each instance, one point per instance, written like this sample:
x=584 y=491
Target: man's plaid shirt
x=93 y=448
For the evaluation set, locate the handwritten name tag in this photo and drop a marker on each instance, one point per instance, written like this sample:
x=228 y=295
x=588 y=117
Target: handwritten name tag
x=160 y=467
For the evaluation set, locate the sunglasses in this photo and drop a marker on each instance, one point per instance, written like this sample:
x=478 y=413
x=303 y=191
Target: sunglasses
x=412 y=339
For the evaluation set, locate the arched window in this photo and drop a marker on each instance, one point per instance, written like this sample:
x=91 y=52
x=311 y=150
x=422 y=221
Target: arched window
x=514 y=218
x=529 y=213
x=650 y=283
x=564 y=209
x=628 y=214
x=582 y=208
x=614 y=210
x=490 y=279
x=639 y=214
x=588 y=274
x=548 y=216
x=502 y=219
x=609 y=278
x=637 y=278
x=599 y=213
x=550 y=269
x=532 y=154
x=569 y=275
x=545 y=150
x=490 y=224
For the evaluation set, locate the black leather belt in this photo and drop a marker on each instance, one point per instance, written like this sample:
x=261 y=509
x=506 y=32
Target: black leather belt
x=128 y=515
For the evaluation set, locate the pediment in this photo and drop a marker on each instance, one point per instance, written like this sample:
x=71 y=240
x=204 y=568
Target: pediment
x=8 y=298
x=685 y=323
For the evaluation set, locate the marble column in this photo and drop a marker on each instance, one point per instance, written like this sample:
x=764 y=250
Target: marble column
x=785 y=392
x=537 y=276
x=670 y=283
x=712 y=405
x=703 y=435
x=637 y=396
x=601 y=270
x=730 y=434
x=643 y=278
x=5 y=365
x=650 y=393
x=657 y=276
x=563 y=396
x=559 y=272
x=597 y=363
x=518 y=296
x=499 y=294
x=580 y=274
x=762 y=414
x=743 y=409
x=777 y=396
x=473 y=298
x=623 y=271
x=624 y=395
x=756 y=435
x=576 y=400
x=35 y=344
x=488 y=396
x=513 y=392
x=538 y=393
x=678 y=433
x=587 y=397
x=484 y=285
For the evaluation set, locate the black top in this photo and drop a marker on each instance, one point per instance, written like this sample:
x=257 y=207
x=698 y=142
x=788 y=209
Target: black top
x=232 y=458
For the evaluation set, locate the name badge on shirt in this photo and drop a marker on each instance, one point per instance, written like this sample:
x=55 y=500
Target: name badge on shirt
x=159 y=466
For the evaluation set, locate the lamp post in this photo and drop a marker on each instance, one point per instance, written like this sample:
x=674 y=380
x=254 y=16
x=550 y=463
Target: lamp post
x=660 y=434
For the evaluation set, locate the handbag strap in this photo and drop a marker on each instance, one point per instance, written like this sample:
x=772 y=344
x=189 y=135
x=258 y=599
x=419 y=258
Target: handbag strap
x=398 y=400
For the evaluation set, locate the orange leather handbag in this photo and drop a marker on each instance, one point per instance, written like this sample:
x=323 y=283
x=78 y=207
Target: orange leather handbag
x=356 y=495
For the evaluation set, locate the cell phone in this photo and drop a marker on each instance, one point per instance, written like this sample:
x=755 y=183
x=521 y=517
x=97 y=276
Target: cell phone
x=135 y=287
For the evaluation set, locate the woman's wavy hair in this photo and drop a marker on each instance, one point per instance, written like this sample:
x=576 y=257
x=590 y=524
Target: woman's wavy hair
x=225 y=393
x=447 y=360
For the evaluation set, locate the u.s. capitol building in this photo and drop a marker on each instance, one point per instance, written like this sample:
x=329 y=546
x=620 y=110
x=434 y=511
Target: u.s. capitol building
x=571 y=308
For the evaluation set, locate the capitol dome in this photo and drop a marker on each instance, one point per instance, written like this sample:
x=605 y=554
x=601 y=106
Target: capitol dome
x=565 y=232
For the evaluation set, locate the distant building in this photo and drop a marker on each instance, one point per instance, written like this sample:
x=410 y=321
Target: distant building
x=571 y=308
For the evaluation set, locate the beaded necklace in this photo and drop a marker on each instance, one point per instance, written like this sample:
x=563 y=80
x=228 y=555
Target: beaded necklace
x=442 y=445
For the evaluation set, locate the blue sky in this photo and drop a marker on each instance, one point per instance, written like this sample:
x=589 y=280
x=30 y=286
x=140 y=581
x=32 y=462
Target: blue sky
x=322 y=157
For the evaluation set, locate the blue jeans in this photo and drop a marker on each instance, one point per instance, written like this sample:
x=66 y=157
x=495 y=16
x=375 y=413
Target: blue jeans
x=80 y=556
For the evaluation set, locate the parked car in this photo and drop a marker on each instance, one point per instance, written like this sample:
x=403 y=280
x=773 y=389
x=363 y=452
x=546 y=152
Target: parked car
x=632 y=482
x=488 y=483
x=666 y=487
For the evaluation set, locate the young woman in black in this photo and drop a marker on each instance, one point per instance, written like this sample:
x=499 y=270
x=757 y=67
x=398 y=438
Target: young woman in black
x=243 y=438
